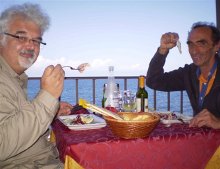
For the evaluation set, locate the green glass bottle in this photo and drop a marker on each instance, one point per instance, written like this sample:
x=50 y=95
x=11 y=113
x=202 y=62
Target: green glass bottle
x=141 y=96
x=104 y=95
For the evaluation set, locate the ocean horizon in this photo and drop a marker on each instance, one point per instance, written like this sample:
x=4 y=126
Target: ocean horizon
x=85 y=92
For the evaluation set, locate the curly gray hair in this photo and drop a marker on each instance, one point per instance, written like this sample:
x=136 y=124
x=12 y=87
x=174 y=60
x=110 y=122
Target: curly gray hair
x=28 y=11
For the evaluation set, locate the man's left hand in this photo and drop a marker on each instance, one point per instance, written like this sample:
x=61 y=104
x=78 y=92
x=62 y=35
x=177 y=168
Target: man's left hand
x=205 y=118
x=65 y=109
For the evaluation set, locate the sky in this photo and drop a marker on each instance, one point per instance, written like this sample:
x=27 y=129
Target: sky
x=120 y=33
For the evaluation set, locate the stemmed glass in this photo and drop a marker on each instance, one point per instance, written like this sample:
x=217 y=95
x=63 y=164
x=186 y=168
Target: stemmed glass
x=128 y=101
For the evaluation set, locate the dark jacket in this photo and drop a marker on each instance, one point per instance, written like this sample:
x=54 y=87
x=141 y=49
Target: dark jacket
x=181 y=79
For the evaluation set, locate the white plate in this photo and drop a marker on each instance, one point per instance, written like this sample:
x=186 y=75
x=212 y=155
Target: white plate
x=185 y=118
x=96 y=124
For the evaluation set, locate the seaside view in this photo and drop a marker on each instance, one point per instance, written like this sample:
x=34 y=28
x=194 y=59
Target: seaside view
x=85 y=92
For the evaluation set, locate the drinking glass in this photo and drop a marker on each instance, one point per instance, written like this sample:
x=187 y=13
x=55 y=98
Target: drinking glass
x=128 y=101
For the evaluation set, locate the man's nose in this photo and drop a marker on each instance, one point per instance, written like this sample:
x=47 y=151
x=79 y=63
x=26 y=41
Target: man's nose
x=30 y=44
x=193 y=49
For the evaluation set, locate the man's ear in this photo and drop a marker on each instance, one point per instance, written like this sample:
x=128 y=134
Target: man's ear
x=1 y=40
x=218 y=48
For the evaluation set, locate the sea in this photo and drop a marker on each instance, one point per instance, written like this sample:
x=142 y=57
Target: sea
x=85 y=92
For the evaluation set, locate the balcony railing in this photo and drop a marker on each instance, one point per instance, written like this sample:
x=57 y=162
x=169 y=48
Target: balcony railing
x=124 y=80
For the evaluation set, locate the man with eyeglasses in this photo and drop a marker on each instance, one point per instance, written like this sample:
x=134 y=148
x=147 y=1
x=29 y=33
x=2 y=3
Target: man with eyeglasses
x=24 y=124
x=201 y=79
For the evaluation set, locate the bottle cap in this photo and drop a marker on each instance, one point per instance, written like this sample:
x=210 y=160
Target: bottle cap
x=111 y=68
x=141 y=81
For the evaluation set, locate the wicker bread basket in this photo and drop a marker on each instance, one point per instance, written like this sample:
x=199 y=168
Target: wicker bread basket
x=130 y=129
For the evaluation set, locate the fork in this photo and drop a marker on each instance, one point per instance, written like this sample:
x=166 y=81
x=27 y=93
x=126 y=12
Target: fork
x=181 y=120
x=72 y=68
x=80 y=68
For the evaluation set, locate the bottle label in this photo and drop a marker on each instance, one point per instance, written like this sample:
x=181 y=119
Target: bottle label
x=141 y=105
x=113 y=100
x=103 y=101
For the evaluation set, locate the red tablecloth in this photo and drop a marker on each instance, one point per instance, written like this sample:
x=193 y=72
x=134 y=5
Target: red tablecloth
x=175 y=147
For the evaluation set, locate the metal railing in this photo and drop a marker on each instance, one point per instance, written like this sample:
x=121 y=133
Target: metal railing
x=125 y=82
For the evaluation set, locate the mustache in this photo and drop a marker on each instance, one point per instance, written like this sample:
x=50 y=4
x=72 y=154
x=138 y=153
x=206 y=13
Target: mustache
x=28 y=52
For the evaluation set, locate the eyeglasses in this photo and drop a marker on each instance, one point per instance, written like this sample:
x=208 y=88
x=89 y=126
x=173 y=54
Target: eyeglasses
x=25 y=39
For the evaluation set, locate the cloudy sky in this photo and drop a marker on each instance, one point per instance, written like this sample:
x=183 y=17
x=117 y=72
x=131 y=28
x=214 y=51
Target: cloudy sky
x=122 y=33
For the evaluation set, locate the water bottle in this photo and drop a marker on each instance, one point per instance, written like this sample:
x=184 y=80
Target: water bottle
x=111 y=90
x=104 y=94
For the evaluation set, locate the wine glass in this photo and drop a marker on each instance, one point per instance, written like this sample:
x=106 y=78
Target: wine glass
x=128 y=101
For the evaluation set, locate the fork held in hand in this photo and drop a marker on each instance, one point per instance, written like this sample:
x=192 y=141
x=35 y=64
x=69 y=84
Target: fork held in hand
x=80 y=68
x=70 y=67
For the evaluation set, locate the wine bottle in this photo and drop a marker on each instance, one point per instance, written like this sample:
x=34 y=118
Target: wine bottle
x=141 y=96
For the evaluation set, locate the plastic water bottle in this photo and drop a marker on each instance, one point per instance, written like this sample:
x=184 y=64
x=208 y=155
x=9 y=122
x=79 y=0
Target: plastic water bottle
x=111 y=93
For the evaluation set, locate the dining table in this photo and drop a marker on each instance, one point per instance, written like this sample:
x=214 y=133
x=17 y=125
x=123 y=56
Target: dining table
x=177 y=146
